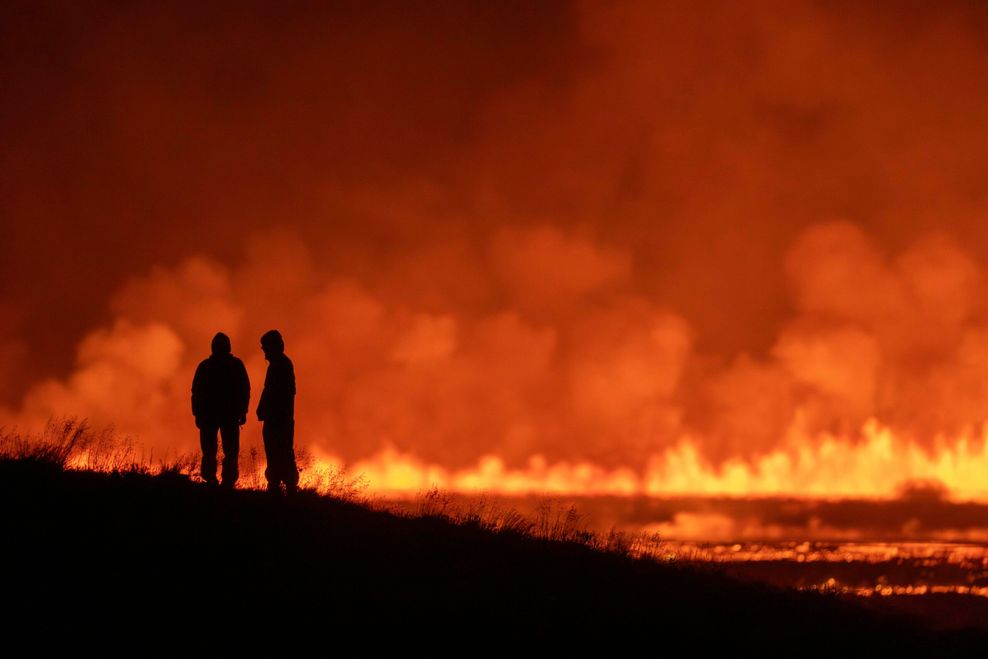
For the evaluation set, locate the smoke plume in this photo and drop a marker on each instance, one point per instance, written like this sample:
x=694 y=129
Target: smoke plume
x=582 y=231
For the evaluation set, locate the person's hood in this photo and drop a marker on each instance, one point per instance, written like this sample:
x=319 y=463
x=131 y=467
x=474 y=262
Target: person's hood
x=221 y=345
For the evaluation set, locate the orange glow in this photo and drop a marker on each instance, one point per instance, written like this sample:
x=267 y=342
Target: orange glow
x=933 y=568
x=876 y=465
x=633 y=249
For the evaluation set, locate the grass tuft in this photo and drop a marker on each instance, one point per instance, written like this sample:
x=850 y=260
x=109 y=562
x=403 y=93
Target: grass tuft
x=71 y=443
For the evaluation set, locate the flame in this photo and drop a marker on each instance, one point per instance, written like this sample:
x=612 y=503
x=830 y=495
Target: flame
x=876 y=464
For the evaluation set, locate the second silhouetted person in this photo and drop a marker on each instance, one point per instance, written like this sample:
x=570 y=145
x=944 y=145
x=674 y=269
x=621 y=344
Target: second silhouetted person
x=277 y=410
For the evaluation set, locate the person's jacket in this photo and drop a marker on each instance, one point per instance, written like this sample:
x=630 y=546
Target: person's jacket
x=220 y=390
x=278 y=397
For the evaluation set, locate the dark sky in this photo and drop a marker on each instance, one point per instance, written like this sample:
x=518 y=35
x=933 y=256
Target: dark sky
x=136 y=133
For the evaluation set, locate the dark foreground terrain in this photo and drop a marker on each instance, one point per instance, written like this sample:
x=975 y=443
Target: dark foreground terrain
x=92 y=558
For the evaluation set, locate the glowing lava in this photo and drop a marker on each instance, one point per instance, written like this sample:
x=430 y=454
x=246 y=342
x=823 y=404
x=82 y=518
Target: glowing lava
x=875 y=465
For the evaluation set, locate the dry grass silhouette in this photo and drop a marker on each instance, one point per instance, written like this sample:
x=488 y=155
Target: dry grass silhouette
x=553 y=520
x=71 y=443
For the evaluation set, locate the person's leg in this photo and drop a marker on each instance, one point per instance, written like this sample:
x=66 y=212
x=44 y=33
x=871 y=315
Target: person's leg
x=269 y=435
x=231 y=454
x=207 y=443
x=289 y=468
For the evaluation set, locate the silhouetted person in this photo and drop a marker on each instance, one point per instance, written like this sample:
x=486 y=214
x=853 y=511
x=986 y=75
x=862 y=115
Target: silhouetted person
x=277 y=410
x=220 y=396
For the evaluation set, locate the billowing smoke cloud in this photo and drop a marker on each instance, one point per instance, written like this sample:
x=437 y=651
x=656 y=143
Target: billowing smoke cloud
x=580 y=230
x=540 y=374
x=577 y=366
x=896 y=337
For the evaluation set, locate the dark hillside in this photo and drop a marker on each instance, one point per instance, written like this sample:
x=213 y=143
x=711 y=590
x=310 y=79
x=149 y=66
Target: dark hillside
x=151 y=554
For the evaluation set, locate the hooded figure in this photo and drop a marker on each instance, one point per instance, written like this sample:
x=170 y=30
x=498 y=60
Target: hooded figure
x=277 y=410
x=220 y=397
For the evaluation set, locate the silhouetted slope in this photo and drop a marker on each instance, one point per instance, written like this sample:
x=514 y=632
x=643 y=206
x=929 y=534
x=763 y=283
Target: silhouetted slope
x=160 y=553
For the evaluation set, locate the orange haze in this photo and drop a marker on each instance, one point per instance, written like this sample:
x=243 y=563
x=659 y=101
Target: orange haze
x=630 y=247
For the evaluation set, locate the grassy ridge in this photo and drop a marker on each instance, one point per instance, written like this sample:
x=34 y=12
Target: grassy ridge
x=154 y=551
